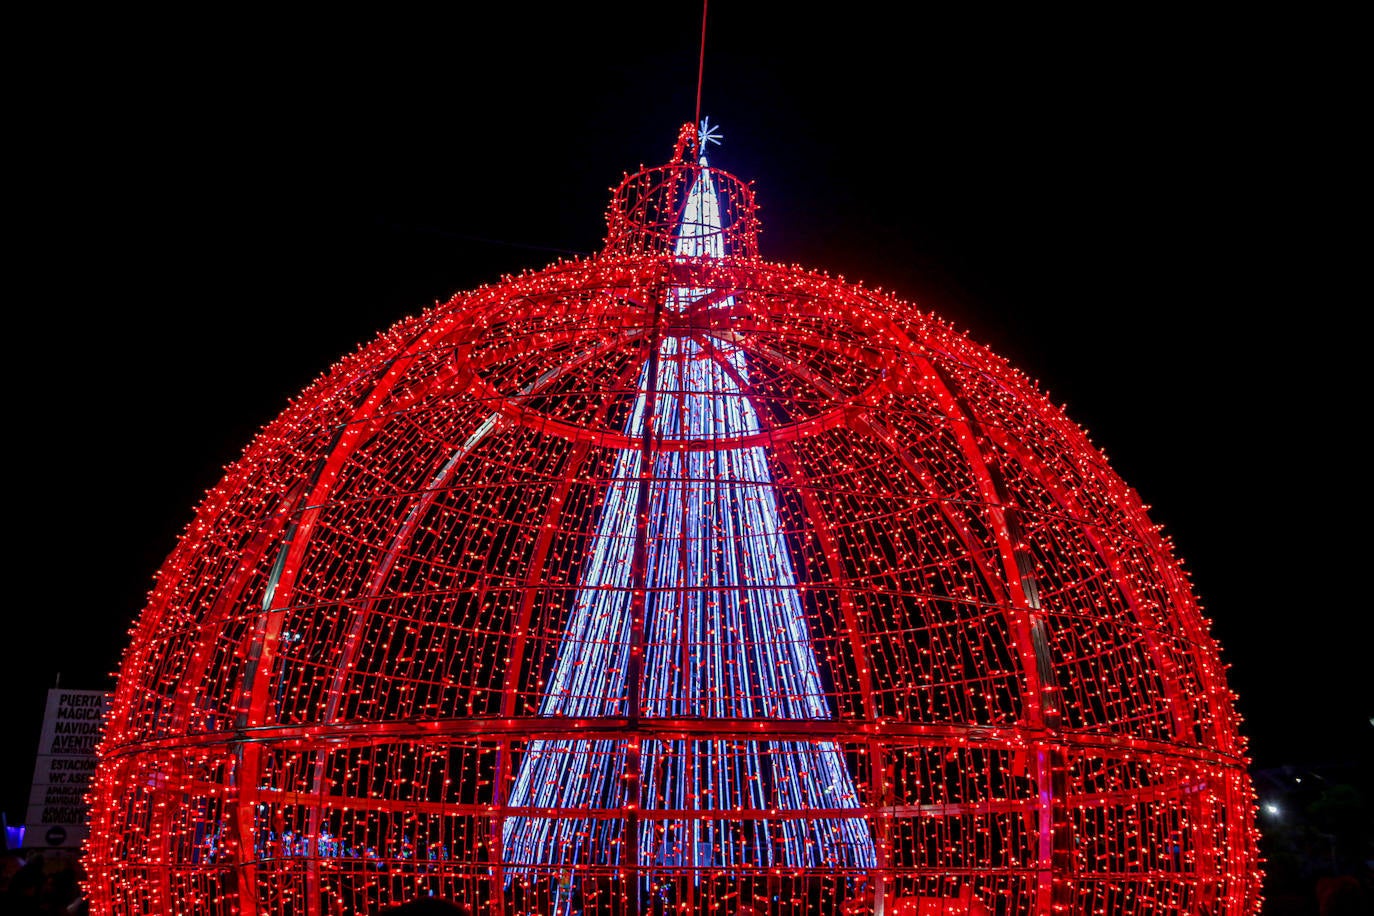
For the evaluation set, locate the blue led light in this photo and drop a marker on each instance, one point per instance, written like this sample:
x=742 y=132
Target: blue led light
x=726 y=637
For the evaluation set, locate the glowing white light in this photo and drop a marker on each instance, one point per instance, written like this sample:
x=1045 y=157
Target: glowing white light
x=726 y=637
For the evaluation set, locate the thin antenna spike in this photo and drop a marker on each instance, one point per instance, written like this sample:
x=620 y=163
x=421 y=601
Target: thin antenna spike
x=701 y=69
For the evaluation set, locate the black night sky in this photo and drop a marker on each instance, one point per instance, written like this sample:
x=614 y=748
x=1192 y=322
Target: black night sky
x=1146 y=214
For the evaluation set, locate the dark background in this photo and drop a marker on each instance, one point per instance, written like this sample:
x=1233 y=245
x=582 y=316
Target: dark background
x=1148 y=212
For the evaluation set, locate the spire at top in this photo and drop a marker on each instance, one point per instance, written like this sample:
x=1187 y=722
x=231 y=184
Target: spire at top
x=701 y=232
x=650 y=209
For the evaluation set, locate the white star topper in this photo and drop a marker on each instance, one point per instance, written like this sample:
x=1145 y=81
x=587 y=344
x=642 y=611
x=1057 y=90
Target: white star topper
x=707 y=134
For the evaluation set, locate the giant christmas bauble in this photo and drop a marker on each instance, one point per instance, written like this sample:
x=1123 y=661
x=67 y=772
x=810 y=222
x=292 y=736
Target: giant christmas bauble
x=666 y=580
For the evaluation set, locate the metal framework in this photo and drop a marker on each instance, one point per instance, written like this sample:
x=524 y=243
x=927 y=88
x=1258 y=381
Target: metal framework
x=673 y=580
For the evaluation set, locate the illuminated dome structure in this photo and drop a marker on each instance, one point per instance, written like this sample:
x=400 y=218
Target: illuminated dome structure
x=673 y=580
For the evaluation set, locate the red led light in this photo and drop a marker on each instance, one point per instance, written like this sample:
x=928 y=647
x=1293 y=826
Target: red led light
x=327 y=703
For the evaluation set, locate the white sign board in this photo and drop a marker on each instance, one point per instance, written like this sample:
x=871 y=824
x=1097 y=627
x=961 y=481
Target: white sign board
x=62 y=772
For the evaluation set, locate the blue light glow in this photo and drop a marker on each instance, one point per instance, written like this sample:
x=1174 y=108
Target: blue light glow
x=726 y=637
